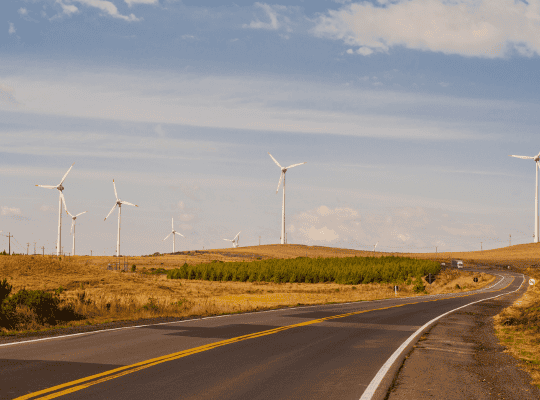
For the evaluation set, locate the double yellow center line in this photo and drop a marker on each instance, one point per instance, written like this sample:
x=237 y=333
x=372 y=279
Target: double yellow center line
x=79 y=384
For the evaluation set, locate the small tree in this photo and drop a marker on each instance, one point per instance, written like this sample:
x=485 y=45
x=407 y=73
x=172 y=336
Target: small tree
x=419 y=285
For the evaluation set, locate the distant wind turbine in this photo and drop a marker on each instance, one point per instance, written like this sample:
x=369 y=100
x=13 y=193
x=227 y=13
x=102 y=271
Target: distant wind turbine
x=60 y=201
x=173 y=232
x=73 y=218
x=235 y=240
x=375 y=246
x=283 y=171
x=536 y=160
x=119 y=205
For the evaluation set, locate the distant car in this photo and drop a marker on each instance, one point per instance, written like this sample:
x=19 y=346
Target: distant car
x=457 y=263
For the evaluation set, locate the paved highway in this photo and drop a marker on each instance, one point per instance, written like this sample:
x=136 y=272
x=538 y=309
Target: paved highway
x=318 y=352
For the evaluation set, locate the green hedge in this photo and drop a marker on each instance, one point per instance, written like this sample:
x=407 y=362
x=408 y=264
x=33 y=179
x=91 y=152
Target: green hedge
x=351 y=270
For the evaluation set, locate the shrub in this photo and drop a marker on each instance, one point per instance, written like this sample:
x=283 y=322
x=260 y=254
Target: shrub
x=419 y=285
x=133 y=268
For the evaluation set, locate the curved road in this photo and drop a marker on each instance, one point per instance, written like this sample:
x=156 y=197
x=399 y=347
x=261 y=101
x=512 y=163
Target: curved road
x=317 y=352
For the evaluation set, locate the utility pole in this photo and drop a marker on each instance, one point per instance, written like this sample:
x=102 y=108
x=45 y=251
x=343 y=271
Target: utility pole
x=90 y=253
x=480 y=246
x=9 y=237
x=510 y=241
x=259 y=240
x=34 y=248
x=43 y=248
x=27 y=248
x=435 y=249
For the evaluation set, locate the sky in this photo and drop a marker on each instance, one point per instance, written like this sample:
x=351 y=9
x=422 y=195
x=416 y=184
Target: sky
x=405 y=112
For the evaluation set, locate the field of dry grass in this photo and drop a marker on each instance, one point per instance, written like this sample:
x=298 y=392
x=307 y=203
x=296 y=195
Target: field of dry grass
x=103 y=295
x=518 y=328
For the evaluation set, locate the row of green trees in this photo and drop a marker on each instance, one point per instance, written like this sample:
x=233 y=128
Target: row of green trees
x=350 y=270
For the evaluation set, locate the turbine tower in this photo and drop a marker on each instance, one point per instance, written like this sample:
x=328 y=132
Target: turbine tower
x=119 y=205
x=283 y=171
x=60 y=201
x=536 y=160
x=235 y=240
x=173 y=232
x=73 y=218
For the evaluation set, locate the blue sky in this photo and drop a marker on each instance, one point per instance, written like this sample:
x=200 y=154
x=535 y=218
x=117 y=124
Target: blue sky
x=405 y=112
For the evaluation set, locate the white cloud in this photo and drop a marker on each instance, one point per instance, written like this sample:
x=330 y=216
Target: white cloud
x=45 y=208
x=480 y=28
x=276 y=19
x=22 y=11
x=106 y=7
x=131 y=2
x=10 y=211
x=67 y=9
x=395 y=229
x=11 y=29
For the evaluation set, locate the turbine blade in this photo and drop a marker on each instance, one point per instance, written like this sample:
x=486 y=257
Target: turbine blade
x=110 y=212
x=114 y=186
x=167 y=236
x=237 y=235
x=172 y=221
x=62 y=181
x=129 y=204
x=228 y=240
x=80 y=213
x=47 y=186
x=524 y=157
x=275 y=160
x=178 y=233
x=295 y=165
x=279 y=183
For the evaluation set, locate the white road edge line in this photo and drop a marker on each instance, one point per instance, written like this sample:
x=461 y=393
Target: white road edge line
x=229 y=315
x=376 y=381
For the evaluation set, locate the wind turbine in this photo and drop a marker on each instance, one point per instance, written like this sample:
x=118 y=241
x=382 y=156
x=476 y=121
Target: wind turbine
x=235 y=240
x=119 y=205
x=536 y=160
x=60 y=201
x=283 y=170
x=73 y=218
x=173 y=232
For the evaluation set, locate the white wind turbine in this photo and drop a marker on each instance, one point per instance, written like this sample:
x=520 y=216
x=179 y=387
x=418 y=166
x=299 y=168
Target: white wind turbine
x=60 y=201
x=119 y=205
x=536 y=159
x=283 y=170
x=235 y=240
x=173 y=232
x=73 y=218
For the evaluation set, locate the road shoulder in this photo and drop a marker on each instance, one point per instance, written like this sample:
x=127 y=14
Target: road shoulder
x=460 y=358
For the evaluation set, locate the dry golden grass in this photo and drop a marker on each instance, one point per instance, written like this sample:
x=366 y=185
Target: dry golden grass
x=517 y=328
x=104 y=295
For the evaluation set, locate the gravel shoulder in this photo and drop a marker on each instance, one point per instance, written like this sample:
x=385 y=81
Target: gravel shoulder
x=461 y=358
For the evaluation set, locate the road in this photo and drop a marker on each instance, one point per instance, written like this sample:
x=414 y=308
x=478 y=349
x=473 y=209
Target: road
x=318 y=352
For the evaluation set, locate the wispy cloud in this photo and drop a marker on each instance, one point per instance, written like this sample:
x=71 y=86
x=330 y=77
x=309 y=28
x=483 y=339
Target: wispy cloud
x=275 y=16
x=151 y=2
x=106 y=7
x=259 y=103
x=11 y=29
x=482 y=28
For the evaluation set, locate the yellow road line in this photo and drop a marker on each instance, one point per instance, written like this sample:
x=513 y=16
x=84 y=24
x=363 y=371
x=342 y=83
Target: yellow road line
x=83 y=383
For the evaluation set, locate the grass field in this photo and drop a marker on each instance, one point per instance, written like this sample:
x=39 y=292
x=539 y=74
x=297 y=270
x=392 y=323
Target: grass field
x=103 y=295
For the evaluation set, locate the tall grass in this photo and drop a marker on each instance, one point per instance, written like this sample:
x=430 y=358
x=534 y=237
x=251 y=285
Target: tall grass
x=349 y=270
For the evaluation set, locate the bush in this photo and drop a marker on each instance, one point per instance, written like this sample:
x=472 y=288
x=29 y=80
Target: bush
x=419 y=285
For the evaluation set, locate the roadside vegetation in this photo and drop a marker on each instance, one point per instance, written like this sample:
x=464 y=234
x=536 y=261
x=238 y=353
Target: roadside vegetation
x=345 y=271
x=518 y=328
x=44 y=292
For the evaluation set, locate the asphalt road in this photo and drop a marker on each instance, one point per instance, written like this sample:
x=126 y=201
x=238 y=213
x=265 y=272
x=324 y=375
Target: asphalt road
x=317 y=352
